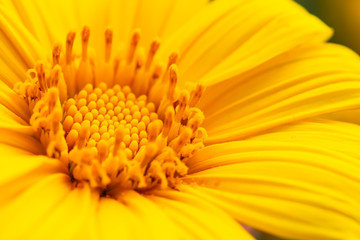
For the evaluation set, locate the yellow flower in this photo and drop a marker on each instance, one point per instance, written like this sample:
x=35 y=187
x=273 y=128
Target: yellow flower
x=181 y=122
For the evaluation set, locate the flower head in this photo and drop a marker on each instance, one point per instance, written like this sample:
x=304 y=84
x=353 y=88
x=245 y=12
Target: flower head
x=178 y=121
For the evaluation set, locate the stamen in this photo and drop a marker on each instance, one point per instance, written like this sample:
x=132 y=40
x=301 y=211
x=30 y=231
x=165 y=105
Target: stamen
x=170 y=97
x=105 y=69
x=183 y=102
x=181 y=140
x=196 y=95
x=108 y=43
x=169 y=118
x=85 y=41
x=56 y=54
x=57 y=80
x=133 y=44
x=173 y=73
x=69 y=45
x=85 y=72
x=41 y=76
x=69 y=68
x=173 y=59
x=153 y=49
x=128 y=67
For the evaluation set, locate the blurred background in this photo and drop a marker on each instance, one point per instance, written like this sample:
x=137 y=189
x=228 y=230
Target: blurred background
x=342 y=15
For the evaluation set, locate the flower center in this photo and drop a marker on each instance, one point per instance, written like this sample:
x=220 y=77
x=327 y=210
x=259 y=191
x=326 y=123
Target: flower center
x=104 y=112
x=121 y=124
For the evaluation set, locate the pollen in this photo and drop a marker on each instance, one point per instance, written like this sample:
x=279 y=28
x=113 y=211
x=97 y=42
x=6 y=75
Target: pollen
x=116 y=123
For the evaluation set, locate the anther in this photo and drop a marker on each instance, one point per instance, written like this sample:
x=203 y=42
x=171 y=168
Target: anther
x=181 y=140
x=196 y=95
x=54 y=76
x=56 y=53
x=85 y=40
x=41 y=76
x=57 y=80
x=173 y=59
x=133 y=45
x=169 y=118
x=108 y=43
x=155 y=75
x=173 y=73
x=68 y=67
x=153 y=49
x=180 y=109
x=69 y=45
x=85 y=71
x=53 y=94
x=196 y=121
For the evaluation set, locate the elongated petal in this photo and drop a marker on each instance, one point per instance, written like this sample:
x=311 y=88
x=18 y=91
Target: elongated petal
x=16 y=163
x=29 y=209
x=13 y=102
x=20 y=44
x=16 y=134
x=304 y=83
x=67 y=219
x=299 y=181
x=198 y=219
x=338 y=136
x=352 y=115
x=115 y=219
x=155 y=17
x=246 y=33
x=156 y=224
x=284 y=218
x=14 y=117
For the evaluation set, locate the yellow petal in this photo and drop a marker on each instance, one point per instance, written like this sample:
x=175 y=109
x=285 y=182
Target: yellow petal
x=115 y=219
x=338 y=136
x=28 y=15
x=247 y=33
x=153 y=17
x=294 y=86
x=198 y=219
x=9 y=117
x=20 y=44
x=17 y=177
x=90 y=229
x=282 y=217
x=180 y=13
x=156 y=224
x=14 y=131
x=21 y=138
x=67 y=219
x=16 y=163
x=13 y=102
x=352 y=116
x=298 y=181
x=29 y=210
